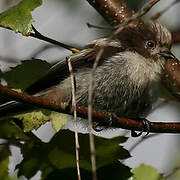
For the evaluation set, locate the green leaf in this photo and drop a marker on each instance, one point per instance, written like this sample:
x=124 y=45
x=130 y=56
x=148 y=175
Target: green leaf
x=68 y=173
x=21 y=77
x=108 y=151
x=32 y=159
x=8 y=129
x=115 y=171
x=25 y=74
x=147 y=172
x=19 y=18
x=4 y=162
x=58 y=156
x=59 y=120
x=33 y=120
x=105 y=147
x=10 y=132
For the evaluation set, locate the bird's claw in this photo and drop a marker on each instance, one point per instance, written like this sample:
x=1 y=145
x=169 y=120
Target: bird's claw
x=146 y=127
x=135 y=134
x=98 y=126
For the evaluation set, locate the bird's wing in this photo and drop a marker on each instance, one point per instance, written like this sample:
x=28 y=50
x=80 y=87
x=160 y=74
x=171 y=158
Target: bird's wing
x=84 y=58
x=56 y=73
x=60 y=70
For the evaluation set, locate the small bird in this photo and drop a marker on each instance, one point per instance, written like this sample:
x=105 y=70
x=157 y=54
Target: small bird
x=127 y=79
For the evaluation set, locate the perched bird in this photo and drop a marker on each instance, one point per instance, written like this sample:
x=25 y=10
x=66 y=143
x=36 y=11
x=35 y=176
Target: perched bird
x=127 y=78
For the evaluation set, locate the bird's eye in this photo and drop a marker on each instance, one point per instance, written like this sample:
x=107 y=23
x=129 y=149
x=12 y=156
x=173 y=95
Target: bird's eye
x=151 y=44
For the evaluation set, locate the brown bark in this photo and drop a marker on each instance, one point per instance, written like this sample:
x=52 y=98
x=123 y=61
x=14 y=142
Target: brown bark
x=115 y=12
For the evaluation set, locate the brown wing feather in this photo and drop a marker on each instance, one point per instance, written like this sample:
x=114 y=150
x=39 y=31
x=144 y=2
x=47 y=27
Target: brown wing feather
x=84 y=58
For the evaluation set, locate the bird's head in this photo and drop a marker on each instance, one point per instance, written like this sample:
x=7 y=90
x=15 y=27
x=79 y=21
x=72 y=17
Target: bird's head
x=150 y=40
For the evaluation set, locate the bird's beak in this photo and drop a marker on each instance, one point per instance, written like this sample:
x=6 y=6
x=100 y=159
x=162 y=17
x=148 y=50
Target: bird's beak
x=167 y=55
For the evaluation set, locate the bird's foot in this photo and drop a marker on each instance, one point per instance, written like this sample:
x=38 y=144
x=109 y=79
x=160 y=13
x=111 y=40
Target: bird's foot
x=99 y=126
x=146 y=127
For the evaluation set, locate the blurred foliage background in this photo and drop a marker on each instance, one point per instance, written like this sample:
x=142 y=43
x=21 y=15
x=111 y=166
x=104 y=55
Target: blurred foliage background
x=65 y=21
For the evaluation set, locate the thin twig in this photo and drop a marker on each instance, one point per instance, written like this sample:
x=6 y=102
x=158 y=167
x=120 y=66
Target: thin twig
x=75 y=115
x=38 y=35
x=99 y=27
x=137 y=15
x=90 y=107
x=160 y=13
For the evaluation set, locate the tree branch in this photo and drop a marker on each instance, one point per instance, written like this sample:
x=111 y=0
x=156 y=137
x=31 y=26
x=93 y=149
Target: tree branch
x=176 y=37
x=114 y=11
x=101 y=117
x=136 y=16
x=171 y=78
